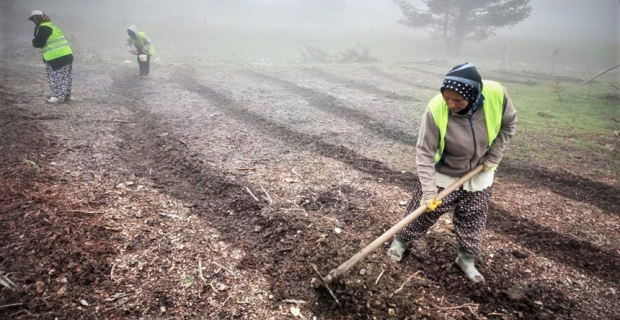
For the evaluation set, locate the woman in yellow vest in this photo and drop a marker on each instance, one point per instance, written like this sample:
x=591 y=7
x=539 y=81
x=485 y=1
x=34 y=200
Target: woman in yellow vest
x=57 y=55
x=140 y=44
x=469 y=123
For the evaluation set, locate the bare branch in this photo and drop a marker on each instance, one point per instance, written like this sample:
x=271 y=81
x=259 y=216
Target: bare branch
x=297 y=174
x=268 y=197
x=221 y=266
x=250 y=192
x=403 y=285
x=379 y=277
x=294 y=301
x=467 y=305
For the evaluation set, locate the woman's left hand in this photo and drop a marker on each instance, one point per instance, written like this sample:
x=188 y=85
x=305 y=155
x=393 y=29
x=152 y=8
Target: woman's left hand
x=489 y=166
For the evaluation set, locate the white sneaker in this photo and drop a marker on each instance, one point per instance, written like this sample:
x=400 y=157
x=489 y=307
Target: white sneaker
x=54 y=100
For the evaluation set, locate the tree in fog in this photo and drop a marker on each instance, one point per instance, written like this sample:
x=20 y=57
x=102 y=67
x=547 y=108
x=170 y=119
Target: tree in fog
x=460 y=20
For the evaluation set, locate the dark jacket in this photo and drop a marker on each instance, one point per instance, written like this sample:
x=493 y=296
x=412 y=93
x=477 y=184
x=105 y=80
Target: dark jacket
x=39 y=41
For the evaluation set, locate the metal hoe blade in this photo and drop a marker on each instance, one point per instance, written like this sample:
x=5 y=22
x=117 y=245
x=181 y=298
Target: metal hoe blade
x=325 y=282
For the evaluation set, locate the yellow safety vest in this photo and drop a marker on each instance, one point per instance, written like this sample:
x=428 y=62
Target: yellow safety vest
x=141 y=36
x=56 y=45
x=493 y=111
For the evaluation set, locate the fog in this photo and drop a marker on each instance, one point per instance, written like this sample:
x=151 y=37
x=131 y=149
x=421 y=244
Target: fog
x=571 y=20
x=587 y=31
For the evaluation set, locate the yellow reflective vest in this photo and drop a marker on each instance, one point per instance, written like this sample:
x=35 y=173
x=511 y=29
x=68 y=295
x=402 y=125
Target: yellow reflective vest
x=56 y=45
x=141 y=37
x=493 y=109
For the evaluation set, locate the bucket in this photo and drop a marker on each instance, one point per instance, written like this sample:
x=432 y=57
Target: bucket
x=142 y=57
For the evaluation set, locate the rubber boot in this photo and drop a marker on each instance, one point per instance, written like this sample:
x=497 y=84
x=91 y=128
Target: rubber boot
x=465 y=261
x=397 y=249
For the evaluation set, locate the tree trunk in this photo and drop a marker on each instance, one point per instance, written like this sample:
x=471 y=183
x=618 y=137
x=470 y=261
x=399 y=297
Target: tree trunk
x=446 y=23
x=454 y=46
x=459 y=33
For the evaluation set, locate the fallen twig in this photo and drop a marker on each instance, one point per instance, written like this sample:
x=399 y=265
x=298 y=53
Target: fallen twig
x=112 y=271
x=467 y=305
x=12 y=315
x=116 y=306
x=223 y=304
x=473 y=312
x=182 y=142
x=380 y=274
x=268 y=197
x=204 y=281
x=297 y=174
x=86 y=212
x=200 y=271
x=117 y=296
x=403 y=285
x=212 y=286
x=294 y=301
x=6 y=282
x=210 y=247
x=10 y=305
x=113 y=228
x=170 y=215
x=568 y=171
x=221 y=266
x=250 y=192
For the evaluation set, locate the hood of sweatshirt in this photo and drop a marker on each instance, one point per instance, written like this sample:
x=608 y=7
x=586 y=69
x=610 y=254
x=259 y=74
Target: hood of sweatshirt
x=133 y=29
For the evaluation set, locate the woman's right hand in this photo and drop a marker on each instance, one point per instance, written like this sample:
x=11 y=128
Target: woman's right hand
x=431 y=204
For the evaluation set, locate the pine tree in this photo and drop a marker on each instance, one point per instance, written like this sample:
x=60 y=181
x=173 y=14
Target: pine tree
x=460 y=20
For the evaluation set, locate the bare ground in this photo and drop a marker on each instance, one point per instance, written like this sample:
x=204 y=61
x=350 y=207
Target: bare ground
x=208 y=192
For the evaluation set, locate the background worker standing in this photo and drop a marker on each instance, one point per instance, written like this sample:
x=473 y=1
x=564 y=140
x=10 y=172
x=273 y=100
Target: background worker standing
x=140 y=44
x=57 y=55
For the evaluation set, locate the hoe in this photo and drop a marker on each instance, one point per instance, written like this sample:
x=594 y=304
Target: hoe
x=343 y=268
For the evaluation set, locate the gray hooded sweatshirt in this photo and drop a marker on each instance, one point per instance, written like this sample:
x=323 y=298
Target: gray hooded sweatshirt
x=130 y=44
x=466 y=146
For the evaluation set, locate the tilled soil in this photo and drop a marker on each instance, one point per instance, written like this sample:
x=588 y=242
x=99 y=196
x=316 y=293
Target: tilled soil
x=207 y=192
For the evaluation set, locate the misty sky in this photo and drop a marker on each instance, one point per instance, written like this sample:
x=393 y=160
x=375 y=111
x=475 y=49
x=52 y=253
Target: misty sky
x=555 y=19
x=566 y=19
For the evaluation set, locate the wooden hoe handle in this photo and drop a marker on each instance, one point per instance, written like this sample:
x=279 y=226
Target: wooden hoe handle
x=343 y=268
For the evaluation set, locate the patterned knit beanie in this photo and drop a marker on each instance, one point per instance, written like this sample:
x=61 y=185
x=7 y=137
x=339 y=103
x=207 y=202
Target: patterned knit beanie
x=465 y=80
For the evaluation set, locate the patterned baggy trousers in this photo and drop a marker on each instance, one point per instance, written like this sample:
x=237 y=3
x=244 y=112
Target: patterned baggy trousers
x=60 y=80
x=470 y=216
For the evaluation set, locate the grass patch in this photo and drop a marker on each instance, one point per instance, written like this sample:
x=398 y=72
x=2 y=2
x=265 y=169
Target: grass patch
x=583 y=122
x=540 y=109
